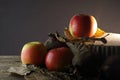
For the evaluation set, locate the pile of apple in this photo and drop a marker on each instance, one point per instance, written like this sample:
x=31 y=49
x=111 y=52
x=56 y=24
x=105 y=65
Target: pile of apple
x=56 y=59
x=36 y=53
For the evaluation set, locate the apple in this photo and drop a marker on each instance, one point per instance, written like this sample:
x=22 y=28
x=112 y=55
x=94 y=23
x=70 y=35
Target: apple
x=33 y=53
x=81 y=25
x=58 y=58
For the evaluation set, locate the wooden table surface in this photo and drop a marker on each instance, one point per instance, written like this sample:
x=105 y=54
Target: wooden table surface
x=5 y=63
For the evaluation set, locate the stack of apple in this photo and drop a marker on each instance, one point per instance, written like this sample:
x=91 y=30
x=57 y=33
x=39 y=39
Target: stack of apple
x=36 y=53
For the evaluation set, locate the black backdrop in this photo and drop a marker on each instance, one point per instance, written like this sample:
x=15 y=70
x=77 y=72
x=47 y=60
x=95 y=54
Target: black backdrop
x=22 y=21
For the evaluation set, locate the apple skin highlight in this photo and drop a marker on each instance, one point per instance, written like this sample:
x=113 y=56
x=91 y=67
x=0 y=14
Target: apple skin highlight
x=82 y=26
x=58 y=58
x=33 y=53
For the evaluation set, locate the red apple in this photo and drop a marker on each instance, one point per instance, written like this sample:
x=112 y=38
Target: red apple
x=58 y=58
x=82 y=26
x=33 y=53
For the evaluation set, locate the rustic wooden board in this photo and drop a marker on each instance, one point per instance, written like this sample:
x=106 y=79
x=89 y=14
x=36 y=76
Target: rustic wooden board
x=5 y=63
x=40 y=74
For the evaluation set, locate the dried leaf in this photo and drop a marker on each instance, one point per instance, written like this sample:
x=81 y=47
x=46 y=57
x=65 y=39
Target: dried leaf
x=80 y=51
x=22 y=70
x=86 y=40
x=54 y=41
x=19 y=70
x=68 y=35
x=59 y=37
x=99 y=32
x=84 y=60
x=54 y=75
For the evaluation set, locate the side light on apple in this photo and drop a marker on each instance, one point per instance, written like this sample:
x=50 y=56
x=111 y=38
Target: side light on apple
x=58 y=58
x=82 y=26
x=33 y=53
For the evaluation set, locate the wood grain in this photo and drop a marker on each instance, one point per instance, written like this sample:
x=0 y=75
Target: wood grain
x=5 y=63
x=39 y=74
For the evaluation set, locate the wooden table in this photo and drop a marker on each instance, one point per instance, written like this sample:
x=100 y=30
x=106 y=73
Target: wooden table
x=14 y=61
x=5 y=63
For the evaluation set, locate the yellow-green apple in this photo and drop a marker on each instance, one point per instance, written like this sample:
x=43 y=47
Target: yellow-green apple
x=81 y=25
x=33 y=53
x=58 y=58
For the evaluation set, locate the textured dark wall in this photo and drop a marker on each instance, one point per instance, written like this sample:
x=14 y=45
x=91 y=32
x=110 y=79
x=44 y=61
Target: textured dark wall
x=22 y=21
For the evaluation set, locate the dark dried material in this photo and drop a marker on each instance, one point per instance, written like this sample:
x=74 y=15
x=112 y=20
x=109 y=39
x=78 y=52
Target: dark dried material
x=111 y=69
x=54 y=75
x=54 y=41
x=84 y=61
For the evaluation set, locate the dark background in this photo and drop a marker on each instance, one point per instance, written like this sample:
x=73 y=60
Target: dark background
x=23 y=21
